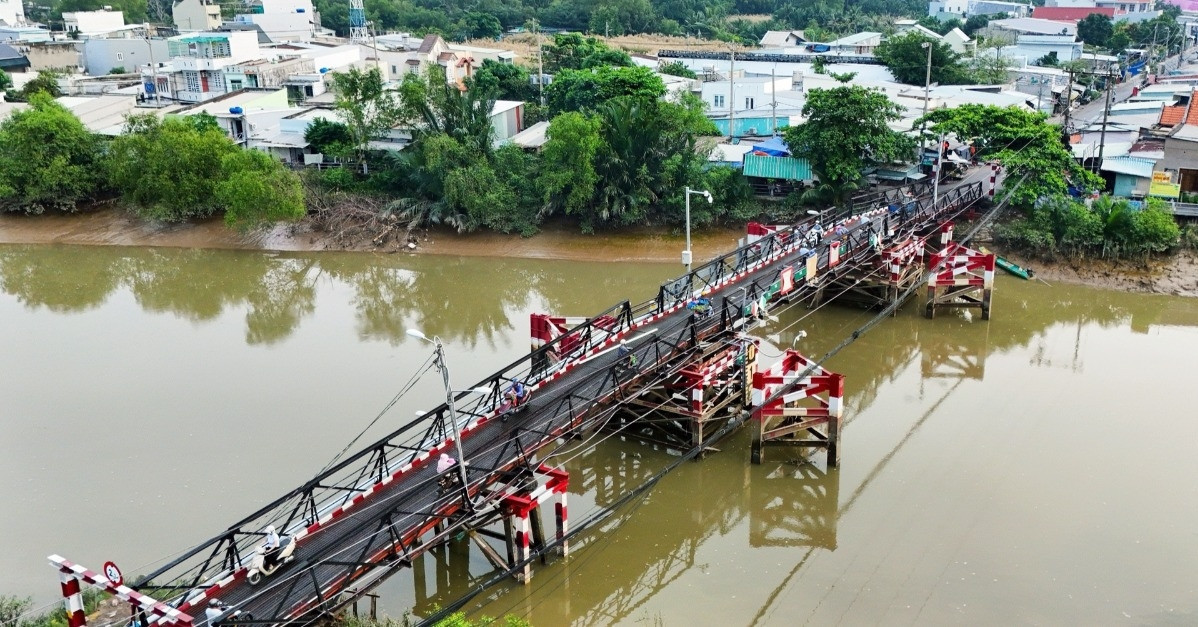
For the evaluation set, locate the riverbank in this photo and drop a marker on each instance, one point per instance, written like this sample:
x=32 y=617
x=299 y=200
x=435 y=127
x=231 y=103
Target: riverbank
x=113 y=227
x=1177 y=275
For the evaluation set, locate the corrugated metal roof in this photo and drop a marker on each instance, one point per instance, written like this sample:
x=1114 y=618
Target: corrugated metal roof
x=1129 y=165
x=785 y=168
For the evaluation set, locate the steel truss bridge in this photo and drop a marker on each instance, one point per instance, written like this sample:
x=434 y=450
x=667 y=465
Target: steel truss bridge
x=379 y=509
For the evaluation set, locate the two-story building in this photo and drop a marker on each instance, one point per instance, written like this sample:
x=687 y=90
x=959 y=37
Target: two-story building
x=88 y=23
x=195 y=15
x=195 y=72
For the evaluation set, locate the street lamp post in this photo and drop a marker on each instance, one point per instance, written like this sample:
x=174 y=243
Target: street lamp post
x=453 y=415
x=686 y=254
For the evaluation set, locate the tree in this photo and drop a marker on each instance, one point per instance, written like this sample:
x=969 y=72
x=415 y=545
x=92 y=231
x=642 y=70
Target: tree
x=47 y=159
x=907 y=59
x=579 y=90
x=846 y=129
x=677 y=68
x=46 y=82
x=568 y=161
x=257 y=189
x=330 y=138
x=5 y=80
x=477 y=25
x=1049 y=60
x=571 y=51
x=1024 y=142
x=1118 y=42
x=975 y=23
x=368 y=108
x=503 y=81
x=1095 y=29
x=168 y=169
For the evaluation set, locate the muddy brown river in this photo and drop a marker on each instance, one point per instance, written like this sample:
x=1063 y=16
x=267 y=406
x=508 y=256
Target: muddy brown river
x=1038 y=468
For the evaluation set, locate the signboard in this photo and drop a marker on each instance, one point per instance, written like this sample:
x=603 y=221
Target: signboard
x=113 y=574
x=1163 y=186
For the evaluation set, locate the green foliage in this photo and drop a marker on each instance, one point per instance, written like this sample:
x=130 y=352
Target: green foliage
x=975 y=23
x=1095 y=29
x=571 y=51
x=14 y=610
x=1049 y=60
x=365 y=104
x=677 y=68
x=503 y=81
x=168 y=169
x=120 y=69
x=568 y=162
x=1026 y=144
x=907 y=59
x=587 y=90
x=1109 y=228
x=5 y=80
x=846 y=129
x=257 y=189
x=46 y=82
x=442 y=108
x=479 y=25
x=47 y=159
x=329 y=138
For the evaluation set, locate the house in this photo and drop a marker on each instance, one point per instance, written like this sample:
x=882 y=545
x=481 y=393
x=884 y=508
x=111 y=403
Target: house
x=1180 y=157
x=1010 y=29
x=1126 y=6
x=103 y=54
x=782 y=38
x=861 y=43
x=243 y=113
x=31 y=34
x=195 y=15
x=948 y=9
x=195 y=72
x=281 y=20
x=902 y=27
x=11 y=60
x=1128 y=176
x=88 y=23
x=12 y=13
x=752 y=93
x=993 y=7
x=960 y=42
x=507 y=119
x=532 y=138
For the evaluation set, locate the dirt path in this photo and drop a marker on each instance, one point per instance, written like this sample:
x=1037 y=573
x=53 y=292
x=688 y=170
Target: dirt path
x=1177 y=275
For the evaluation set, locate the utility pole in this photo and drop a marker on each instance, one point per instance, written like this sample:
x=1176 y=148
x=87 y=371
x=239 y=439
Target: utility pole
x=731 y=94
x=1106 y=114
x=774 y=97
x=927 y=83
x=540 y=63
x=1068 y=101
x=1152 y=53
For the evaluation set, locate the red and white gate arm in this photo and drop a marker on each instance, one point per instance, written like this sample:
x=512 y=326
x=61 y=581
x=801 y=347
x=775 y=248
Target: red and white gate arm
x=72 y=574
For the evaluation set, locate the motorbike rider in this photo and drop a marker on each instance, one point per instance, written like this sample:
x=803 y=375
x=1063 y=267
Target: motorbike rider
x=516 y=393
x=270 y=547
x=215 y=611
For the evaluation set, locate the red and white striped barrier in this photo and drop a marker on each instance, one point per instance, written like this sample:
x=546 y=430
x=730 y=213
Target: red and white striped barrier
x=72 y=575
x=786 y=373
x=961 y=267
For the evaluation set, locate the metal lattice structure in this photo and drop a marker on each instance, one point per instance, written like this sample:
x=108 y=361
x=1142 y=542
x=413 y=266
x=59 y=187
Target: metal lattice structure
x=381 y=508
x=358 y=32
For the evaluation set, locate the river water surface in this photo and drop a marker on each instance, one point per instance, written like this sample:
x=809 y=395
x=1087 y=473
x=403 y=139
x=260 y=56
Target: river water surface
x=1037 y=468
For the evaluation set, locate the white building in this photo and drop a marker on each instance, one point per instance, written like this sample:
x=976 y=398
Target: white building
x=27 y=34
x=962 y=9
x=88 y=23
x=960 y=42
x=12 y=13
x=103 y=54
x=281 y=20
x=195 y=15
x=783 y=38
x=197 y=63
x=752 y=93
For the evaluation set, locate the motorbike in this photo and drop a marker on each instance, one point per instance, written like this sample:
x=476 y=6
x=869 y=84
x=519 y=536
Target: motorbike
x=508 y=408
x=260 y=567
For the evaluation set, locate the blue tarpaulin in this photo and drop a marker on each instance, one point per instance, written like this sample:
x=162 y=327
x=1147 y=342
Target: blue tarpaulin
x=772 y=147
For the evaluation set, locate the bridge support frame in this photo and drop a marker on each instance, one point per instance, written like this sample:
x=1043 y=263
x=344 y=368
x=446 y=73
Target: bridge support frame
x=685 y=406
x=523 y=526
x=807 y=413
x=964 y=278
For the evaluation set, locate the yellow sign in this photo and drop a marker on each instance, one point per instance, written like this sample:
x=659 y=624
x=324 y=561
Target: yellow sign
x=1164 y=190
x=1162 y=177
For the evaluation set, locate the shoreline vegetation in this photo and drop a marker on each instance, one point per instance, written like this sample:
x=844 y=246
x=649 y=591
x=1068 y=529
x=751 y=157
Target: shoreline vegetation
x=1173 y=275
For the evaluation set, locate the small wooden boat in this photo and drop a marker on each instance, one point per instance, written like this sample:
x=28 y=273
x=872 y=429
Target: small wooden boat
x=1010 y=267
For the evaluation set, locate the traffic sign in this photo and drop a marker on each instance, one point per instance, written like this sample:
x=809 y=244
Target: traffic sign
x=113 y=574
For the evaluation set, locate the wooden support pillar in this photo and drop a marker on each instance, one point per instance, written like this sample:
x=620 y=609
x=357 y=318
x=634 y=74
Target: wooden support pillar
x=561 y=517
x=538 y=531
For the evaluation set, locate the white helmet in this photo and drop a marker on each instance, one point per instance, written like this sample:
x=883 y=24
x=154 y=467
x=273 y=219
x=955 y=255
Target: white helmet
x=214 y=603
x=623 y=342
x=270 y=529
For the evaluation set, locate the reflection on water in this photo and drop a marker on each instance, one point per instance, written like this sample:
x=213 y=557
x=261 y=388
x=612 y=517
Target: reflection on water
x=992 y=472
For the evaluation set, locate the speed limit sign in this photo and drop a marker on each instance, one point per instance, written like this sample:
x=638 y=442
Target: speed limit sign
x=113 y=573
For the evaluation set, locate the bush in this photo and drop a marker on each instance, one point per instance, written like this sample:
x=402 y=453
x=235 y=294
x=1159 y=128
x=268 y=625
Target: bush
x=47 y=159
x=1111 y=228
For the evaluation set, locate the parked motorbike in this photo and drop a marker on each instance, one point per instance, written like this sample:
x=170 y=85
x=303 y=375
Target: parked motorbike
x=261 y=566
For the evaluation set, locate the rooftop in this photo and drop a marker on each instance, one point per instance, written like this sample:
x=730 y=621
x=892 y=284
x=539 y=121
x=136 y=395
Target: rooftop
x=1069 y=14
x=1034 y=26
x=531 y=137
x=854 y=40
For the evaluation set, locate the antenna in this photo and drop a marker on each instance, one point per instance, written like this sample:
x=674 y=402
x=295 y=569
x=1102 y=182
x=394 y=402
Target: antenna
x=357 y=22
